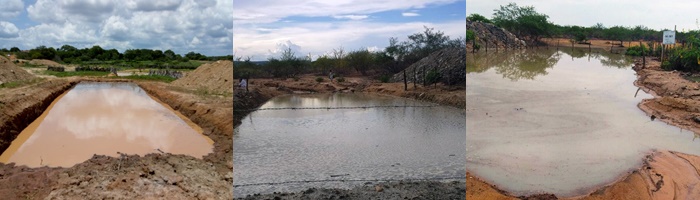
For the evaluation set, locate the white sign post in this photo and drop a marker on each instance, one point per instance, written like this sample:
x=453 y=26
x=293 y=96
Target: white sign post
x=669 y=37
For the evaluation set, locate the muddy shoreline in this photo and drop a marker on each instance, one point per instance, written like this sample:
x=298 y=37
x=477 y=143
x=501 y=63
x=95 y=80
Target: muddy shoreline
x=130 y=176
x=261 y=90
x=662 y=174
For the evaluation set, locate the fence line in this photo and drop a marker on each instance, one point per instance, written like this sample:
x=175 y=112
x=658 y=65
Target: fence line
x=332 y=108
x=351 y=180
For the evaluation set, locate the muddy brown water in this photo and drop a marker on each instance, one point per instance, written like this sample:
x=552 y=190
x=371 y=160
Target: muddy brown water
x=278 y=150
x=104 y=118
x=563 y=122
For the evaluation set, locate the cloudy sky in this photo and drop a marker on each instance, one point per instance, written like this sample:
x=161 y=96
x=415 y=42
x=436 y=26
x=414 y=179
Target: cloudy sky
x=202 y=26
x=654 y=14
x=264 y=28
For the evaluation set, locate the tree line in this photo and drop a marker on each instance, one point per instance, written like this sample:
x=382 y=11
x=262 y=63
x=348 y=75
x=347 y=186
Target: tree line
x=381 y=64
x=528 y=24
x=72 y=55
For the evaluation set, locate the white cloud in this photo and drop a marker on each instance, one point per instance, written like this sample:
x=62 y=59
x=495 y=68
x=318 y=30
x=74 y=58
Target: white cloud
x=8 y=30
x=180 y=25
x=149 y=5
x=10 y=8
x=281 y=47
x=255 y=12
x=318 y=38
x=352 y=17
x=374 y=49
x=409 y=14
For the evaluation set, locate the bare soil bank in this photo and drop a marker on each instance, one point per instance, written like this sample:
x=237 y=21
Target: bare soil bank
x=663 y=174
x=261 y=90
x=162 y=176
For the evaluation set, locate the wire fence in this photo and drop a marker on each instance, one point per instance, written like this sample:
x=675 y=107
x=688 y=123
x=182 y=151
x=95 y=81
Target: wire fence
x=333 y=108
x=352 y=180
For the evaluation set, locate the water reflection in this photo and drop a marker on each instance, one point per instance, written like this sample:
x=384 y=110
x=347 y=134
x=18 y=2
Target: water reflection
x=529 y=64
x=574 y=128
x=104 y=118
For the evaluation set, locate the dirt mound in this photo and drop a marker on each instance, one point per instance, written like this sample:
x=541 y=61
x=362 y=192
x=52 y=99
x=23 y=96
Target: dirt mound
x=216 y=76
x=154 y=176
x=44 y=62
x=449 y=63
x=9 y=72
x=493 y=37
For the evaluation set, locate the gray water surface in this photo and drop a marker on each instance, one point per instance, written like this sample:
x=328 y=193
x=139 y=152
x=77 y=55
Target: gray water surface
x=563 y=122
x=365 y=144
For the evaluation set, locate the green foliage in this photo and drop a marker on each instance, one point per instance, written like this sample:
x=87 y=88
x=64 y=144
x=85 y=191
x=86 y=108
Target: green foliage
x=76 y=73
x=360 y=60
x=288 y=65
x=419 y=46
x=667 y=66
x=160 y=78
x=470 y=35
x=433 y=76
x=478 y=18
x=685 y=59
x=384 y=78
x=637 y=50
x=14 y=84
x=523 y=21
x=319 y=79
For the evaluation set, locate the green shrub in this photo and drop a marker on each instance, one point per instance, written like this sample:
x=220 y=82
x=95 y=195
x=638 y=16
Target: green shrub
x=433 y=76
x=384 y=78
x=340 y=79
x=319 y=79
x=637 y=51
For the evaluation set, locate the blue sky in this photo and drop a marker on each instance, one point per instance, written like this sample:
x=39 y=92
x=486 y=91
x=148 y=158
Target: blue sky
x=262 y=29
x=202 y=26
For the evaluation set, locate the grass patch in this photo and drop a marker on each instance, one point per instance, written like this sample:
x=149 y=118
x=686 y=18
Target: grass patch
x=693 y=78
x=76 y=73
x=166 y=79
x=14 y=84
x=28 y=65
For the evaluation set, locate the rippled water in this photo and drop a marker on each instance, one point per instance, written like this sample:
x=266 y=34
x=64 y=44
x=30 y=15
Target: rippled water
x=103 y=119
x=274 y=146
x=562 y=122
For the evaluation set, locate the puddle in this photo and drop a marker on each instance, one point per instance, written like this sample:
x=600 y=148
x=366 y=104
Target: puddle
x=103 y=119
x=559 y=122
x=359 y=145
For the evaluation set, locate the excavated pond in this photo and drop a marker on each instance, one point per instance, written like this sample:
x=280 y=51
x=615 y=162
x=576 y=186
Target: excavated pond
x=345 y=140
x=104 y=118
x=563 y=122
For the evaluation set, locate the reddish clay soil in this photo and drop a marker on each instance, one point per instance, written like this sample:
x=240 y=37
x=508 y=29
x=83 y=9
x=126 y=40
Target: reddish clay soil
x=152 y=176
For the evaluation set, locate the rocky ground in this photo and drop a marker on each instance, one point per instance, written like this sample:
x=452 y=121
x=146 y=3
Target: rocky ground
x=152 y=176
x=493 y=37
x=449 y=63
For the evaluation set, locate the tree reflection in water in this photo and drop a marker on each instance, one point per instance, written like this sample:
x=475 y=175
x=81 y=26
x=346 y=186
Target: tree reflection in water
x=528 y=64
